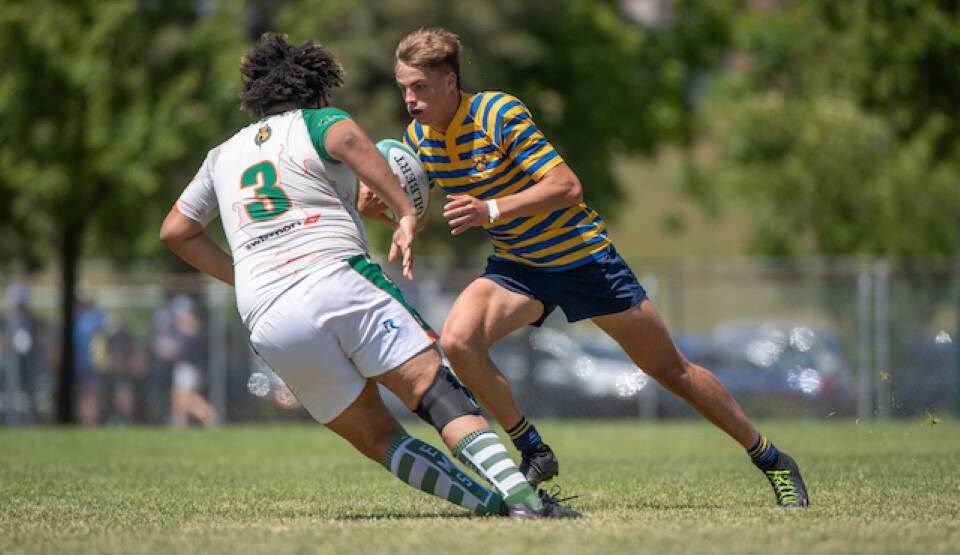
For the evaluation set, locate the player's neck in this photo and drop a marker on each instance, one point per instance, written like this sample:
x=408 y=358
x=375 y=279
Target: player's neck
x=444 y=123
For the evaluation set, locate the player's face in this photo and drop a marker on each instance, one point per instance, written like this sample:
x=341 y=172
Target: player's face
x=431 y=96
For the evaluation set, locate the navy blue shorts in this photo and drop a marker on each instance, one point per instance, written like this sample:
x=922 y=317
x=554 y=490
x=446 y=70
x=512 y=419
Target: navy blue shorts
x=604 y=286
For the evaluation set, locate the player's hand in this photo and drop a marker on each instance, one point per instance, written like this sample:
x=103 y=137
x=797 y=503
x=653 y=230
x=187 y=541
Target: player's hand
x=368 y=203
x=402 y=244
x=463 y=212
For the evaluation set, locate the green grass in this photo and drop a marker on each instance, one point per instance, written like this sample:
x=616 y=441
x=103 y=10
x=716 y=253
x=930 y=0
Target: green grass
x=646 y=488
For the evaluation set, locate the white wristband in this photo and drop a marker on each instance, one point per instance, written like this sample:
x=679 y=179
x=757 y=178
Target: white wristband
x=494 y=210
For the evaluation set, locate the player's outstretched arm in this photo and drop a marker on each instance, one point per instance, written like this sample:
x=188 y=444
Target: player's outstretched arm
x=185 y=237
x=559 y=188
x=348 y=143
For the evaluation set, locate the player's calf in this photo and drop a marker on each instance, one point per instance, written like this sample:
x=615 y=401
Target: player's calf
x=424 y=467
x=445 y=404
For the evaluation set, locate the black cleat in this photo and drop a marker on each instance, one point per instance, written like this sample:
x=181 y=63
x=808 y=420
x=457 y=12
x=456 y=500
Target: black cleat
x=552 y=508
x=539 y=465
x=787 y=483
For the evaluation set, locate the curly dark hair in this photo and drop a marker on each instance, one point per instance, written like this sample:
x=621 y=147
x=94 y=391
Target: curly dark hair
x=277 y=73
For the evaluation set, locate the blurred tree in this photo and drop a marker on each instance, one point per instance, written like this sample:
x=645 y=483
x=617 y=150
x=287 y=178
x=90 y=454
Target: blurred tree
x=839 y=126
x=108 y=107
x=598 y=83
x=102 y=102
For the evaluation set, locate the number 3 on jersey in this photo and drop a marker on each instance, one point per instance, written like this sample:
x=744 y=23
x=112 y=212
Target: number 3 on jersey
x=271 y=200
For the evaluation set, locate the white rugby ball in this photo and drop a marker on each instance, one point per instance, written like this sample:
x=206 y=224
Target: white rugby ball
x=409 y=171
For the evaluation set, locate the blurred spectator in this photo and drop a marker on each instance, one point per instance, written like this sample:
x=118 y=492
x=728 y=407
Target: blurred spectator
x=22 y=336
x=127 y=371
x=90 y=358
x=180 y=342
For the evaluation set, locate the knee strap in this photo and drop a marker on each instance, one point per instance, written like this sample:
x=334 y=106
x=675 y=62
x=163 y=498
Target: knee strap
x=445 y=400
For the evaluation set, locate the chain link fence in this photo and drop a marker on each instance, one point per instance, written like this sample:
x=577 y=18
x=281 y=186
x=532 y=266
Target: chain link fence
x=812 y=338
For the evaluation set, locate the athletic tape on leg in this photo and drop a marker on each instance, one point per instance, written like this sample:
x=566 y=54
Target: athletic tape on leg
x=445 y=400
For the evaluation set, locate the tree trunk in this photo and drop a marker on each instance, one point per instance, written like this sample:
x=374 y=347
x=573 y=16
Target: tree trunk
x=69 y=259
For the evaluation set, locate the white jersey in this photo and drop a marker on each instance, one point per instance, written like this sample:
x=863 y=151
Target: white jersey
x=287 y=207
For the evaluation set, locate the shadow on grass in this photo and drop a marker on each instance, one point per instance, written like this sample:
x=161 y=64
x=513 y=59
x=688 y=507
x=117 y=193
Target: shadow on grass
x=409 y=516
x=668 y=506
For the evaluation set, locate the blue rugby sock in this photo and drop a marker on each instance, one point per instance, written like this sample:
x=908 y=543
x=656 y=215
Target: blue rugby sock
x=525 y=436
x=764 y=453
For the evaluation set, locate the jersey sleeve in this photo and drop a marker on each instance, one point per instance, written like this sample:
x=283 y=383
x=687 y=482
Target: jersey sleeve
x=510 y=124
x=318 y=122
x=199 y=199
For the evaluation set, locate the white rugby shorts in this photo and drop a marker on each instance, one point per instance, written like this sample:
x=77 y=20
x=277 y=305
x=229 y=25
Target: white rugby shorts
x=329 y=333
x=186 y=376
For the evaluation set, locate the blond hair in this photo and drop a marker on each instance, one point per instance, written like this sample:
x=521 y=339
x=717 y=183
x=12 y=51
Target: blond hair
x=431 y=48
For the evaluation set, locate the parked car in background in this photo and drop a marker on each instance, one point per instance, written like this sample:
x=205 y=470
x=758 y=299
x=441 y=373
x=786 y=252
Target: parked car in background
x=774 y=368
x=922 y=374
x=572 y=374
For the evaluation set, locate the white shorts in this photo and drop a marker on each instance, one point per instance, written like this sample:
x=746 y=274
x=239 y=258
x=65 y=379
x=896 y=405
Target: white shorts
x=327 y=334
x=186 y=377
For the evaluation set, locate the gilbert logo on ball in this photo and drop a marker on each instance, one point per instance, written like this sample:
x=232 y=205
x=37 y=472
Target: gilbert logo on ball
x=409 y=171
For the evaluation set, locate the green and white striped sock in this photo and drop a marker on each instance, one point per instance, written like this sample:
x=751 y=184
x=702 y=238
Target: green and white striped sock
x=427 y=469
x=483 y=451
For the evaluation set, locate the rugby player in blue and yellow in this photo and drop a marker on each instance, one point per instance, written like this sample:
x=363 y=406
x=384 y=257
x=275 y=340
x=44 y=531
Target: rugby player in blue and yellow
x=549 y=249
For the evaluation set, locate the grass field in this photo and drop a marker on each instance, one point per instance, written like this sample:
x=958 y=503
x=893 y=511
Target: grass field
x=646 y=488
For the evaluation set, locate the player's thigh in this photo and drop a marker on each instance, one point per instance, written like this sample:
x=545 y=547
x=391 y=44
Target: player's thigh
x=485 y=312
x=375 y=326
x=367 y=424
x=308 y=358
x=641 y=333
x=380 y=332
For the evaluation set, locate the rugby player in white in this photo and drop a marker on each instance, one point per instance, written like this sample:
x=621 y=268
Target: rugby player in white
x=319 y=312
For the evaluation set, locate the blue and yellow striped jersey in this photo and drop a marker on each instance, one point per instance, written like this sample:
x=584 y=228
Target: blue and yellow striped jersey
x=493 y=149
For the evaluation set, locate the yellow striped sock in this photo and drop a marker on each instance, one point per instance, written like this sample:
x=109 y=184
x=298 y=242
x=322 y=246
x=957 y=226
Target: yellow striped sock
x=759 y=448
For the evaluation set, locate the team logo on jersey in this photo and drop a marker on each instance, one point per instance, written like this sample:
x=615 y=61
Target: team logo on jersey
x=263 y=135
x=480 y=163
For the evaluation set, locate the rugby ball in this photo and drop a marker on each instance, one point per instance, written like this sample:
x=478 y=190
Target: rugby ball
x=409 y=171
